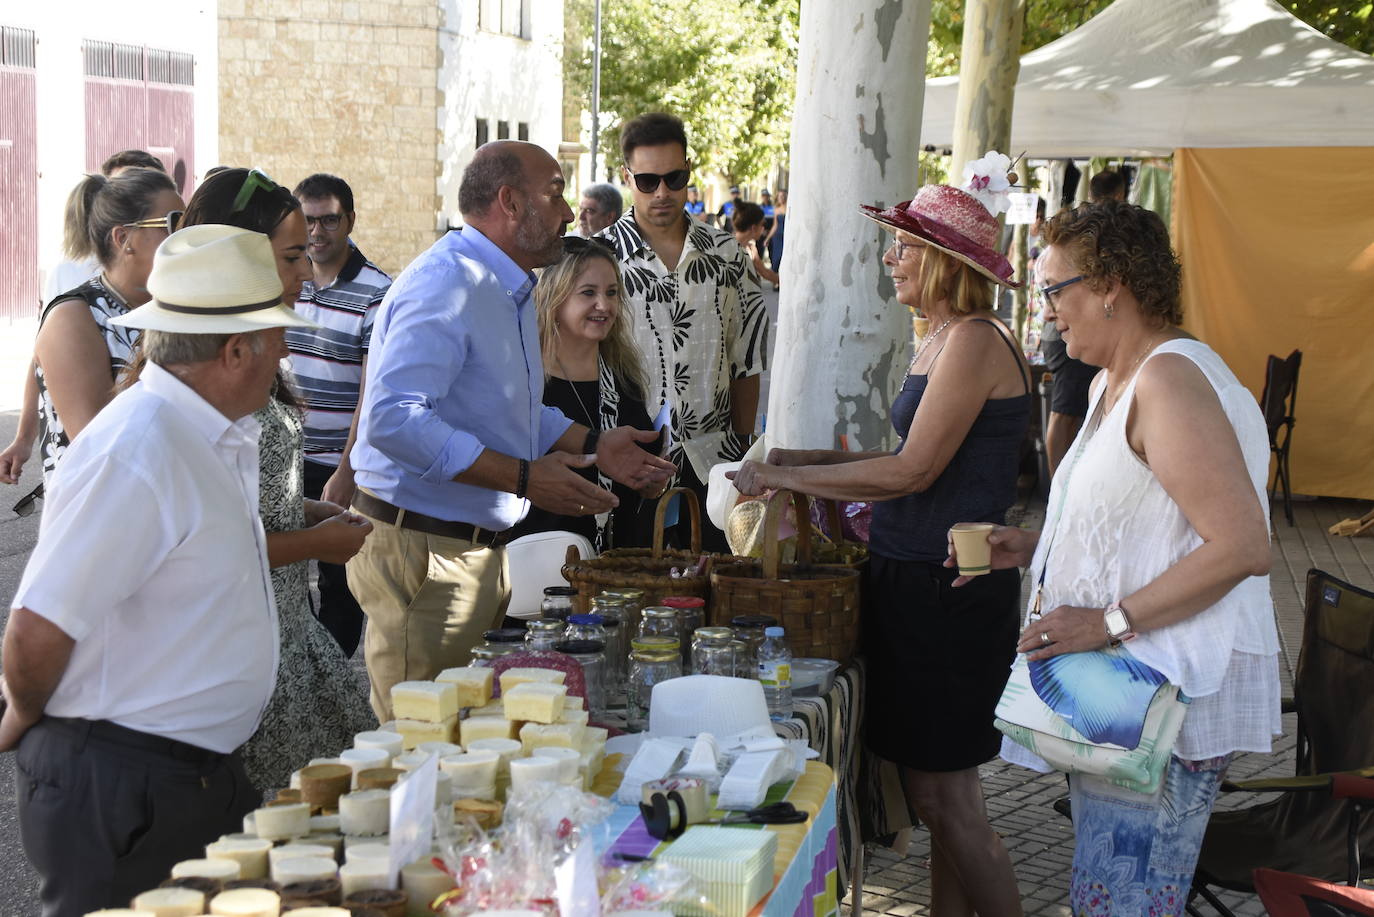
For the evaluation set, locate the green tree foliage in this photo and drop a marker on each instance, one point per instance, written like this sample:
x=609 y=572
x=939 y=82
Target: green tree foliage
x=1346 y=21
x=726 y=67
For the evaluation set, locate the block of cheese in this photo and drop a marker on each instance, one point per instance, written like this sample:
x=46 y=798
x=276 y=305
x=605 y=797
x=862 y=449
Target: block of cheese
x=535 y=702
x=304 y=869
x=430 y=701
x=474 y=684
x=251 y=855
x=597 y=734
x=526 y=772
x=209 y=868
x=171 y=902
x=363 y=874
x=293 y=850
x=519 y=676
x=538 y=735
x=323 y=910
x=120 y=912
x=495 y=708
x=246 y=902
x=572 y=714
x=475 y=728
x=415 y=733
x=504 y=748
x=365 y=813
x=440 y=749
x=473 y=770
x=332 y=840
x=369 y=853
x=422 y=881
x=324 y=824
x=569 y=762
x=388 y=742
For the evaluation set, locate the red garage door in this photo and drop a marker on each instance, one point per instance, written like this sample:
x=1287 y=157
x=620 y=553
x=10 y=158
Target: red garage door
x=141 y=98
x=18 y=175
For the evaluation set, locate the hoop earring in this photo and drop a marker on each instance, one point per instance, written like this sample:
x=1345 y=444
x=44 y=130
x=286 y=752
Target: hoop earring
x=1109 y=309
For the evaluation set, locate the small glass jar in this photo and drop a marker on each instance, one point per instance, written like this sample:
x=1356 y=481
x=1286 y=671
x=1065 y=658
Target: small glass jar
x=739 y=651
x=585 y=627
x=713 y=652
x=749 y=629
x=541 y=635
x=659 y=621
x=558 y=602
x=691 y=614
x=611 y=608
x=591 y=655
x=652 y=660
x=634 y=605
x=484 y=656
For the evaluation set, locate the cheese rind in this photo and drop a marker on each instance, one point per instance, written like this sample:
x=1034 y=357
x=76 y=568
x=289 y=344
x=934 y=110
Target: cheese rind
x=365 y=813
x=251 y=855
x=474 y=684
x=416 y=732
x=474 y=769
x=476 y=728
x=495 y=708
x=209 y=868
x=429 y=701
x=575 y=715
x=535 y=702
x=519 y=676
x=538 y=735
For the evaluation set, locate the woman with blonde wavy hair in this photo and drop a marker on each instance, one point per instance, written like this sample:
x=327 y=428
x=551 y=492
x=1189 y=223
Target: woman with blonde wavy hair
x=594 y=375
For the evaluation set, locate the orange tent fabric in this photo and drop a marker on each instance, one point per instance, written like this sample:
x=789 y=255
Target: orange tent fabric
x=1277 y=246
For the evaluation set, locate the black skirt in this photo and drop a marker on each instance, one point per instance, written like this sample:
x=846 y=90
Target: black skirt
x=938 y=658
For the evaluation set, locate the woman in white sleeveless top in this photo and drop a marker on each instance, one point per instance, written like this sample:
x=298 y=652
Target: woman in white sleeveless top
x=1157 y=533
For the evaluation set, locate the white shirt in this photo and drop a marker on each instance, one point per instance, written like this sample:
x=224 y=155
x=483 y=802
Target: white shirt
x=152 y=558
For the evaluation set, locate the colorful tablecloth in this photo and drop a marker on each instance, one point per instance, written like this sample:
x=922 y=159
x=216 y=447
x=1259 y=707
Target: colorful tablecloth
x=806 y=879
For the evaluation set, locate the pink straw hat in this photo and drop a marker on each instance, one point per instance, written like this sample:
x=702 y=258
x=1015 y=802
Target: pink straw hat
x=953 y=221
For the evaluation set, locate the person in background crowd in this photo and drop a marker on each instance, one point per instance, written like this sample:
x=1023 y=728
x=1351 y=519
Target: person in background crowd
x=766 y=205
x=1107 y=185
x=594 y=375
x=321 y=701
x=328 y=363
x=727 y=210
x=600 y=206
x=699 y=316
x=774 y=240
x=80 y=265
x=454 y=442
x=749 y=222
x=1069 y=394
x=696 y=207
x=79 y=351
x=1157 y=537
x=962 y=413
x=142 y=645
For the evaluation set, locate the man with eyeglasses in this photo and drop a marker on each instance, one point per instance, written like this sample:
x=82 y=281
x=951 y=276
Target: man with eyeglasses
x=699 y=315
x=600 y=207
x=328 y=364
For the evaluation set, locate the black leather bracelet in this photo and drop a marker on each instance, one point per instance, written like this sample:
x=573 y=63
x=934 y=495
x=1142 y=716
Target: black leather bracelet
x=522 y=484
x=589 y=444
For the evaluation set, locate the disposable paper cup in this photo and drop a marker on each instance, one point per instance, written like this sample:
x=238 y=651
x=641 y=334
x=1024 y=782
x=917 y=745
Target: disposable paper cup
x=971 y=547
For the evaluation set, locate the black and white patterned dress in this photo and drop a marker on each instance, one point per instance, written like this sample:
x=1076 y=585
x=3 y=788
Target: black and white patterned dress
x=320 y=701
x=104 y=305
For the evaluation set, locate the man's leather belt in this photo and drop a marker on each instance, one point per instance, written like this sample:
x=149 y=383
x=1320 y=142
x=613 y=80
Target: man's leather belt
x=131 y=738
x=377 y=508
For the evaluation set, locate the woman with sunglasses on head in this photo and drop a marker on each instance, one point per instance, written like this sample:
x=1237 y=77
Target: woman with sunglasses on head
x=320 y=701
x=938 y=658
x=78 y=354
x=594 y=375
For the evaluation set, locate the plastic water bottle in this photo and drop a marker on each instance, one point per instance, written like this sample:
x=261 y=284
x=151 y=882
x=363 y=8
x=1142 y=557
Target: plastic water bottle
x=775 y=673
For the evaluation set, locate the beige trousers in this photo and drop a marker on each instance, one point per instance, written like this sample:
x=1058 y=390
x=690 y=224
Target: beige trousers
x=427 y=599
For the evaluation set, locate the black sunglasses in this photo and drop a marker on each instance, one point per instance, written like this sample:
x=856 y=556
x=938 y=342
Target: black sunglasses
x=575 y=245
x=647 y=182
x=25 y=506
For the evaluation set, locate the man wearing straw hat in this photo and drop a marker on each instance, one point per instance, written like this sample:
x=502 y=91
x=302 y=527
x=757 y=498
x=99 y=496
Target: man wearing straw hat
x=142 y=643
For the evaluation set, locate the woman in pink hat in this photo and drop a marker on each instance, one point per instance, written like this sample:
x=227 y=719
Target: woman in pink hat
x=938 y=657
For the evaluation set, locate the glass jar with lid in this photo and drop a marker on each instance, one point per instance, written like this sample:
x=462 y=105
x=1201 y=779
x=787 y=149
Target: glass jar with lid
x=558 y=602
x=713 y=652
x=611 y=608
x=691 y=614
x=652 y=660
x=585 y=627
x=739 y=650
x=591 y=655
x=749 y=629
x=541 y=635
x=634 y=604
x=659 y=621
x=484 y=656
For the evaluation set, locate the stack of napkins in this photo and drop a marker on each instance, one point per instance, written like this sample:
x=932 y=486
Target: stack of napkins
x=746 y=783
x=656 y=759
x=733 y=866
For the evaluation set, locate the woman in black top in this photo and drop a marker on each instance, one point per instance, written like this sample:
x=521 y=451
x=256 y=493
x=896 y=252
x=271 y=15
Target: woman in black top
x=593 y=374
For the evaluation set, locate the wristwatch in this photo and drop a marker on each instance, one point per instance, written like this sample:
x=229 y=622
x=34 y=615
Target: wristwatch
x=1117 y=624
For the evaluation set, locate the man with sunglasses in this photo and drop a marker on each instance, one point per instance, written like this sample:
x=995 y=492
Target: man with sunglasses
x=328 y=364
x=455 y=442
x=699 y=315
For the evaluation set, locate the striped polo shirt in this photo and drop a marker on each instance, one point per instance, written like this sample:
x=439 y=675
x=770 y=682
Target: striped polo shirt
x=327 y=362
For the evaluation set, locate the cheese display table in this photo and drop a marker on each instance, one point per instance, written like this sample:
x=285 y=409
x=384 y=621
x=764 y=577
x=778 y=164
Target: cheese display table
x=806 y=869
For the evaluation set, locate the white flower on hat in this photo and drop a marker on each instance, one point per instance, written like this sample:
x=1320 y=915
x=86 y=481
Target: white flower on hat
x=986 y=180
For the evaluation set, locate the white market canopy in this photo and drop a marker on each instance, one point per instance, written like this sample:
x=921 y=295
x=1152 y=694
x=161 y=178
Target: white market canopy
x=1146 y=77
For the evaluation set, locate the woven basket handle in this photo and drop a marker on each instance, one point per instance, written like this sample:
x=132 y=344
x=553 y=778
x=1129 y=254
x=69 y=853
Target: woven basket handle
x=773 y=518
x=689 y=497
x=832 y=512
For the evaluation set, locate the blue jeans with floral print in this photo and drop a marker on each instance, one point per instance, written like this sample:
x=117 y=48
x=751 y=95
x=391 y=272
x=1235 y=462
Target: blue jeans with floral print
x=1135 y=854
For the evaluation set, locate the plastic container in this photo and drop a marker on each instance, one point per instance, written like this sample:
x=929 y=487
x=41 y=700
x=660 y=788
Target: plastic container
x=775 y=673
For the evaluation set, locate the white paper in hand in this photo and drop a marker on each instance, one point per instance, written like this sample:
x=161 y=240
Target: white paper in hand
x=575 y=885
x=412 y=817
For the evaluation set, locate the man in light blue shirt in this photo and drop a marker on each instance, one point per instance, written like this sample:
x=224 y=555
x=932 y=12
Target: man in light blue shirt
x=454 y=441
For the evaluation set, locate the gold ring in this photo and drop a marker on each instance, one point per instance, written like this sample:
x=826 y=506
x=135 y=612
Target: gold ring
x=581 y=508
x=1045 y=638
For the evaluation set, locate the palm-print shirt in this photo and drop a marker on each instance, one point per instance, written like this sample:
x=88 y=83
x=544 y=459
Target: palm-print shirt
x=699 y=328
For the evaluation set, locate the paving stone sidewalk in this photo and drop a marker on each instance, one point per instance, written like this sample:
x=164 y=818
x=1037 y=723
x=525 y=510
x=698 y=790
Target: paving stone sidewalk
x=1039 y=840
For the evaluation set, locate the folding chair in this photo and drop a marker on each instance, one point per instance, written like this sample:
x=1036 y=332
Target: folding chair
x=1308 y=829
x=1277 y=401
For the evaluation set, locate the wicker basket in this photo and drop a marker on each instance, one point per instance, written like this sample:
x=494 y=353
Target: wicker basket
x=817 y=605
x=646 y=568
